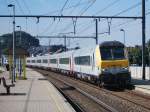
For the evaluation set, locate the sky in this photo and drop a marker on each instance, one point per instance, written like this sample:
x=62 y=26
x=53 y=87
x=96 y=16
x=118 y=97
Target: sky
x=84 y=27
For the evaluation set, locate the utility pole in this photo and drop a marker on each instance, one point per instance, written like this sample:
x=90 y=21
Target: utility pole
x=143 y=39
x=20 y=66
x=20 y=35
x=124 y=40
x=96 y=36
x=49 y=45
x=65 y=42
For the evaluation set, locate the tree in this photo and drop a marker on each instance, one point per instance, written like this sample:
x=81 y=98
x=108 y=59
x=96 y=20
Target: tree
x=135 y=55
x=26 y=40
x=148 y=52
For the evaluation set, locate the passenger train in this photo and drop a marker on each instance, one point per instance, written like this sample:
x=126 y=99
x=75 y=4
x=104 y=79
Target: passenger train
x=104 y=64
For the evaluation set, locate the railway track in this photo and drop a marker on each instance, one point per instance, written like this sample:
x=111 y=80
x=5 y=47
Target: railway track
x=94 y=99
x=133 y=100
x=124 y=94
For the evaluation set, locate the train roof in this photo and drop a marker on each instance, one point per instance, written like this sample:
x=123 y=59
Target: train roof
x=112 y=44
x=87 y=50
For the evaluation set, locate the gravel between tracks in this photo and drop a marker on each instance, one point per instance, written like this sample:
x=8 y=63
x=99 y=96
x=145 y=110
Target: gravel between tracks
x=85 y=103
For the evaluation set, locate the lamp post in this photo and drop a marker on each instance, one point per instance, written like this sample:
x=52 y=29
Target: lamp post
x=19 y=61
x=13 y=68
x=20 y=34
x=123 y=35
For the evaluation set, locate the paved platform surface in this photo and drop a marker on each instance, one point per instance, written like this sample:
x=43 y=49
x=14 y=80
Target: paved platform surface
x=33 y=95
x=142 y=85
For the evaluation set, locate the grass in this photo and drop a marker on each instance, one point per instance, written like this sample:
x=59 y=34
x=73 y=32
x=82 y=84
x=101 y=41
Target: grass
x=1 y=72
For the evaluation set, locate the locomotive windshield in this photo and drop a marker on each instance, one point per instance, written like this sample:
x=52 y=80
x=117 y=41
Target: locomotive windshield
x=112 y=53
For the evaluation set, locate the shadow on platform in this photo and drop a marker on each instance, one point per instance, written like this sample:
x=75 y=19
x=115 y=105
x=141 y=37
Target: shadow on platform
x=13 y=94
x=68 y=88
x=140 y=82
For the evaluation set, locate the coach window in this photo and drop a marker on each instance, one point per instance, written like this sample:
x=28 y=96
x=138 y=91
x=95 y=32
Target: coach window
x=45 y=61
x=77 y=60
x=82 y=60
x=54 y=61
x=38 y=61
x=28 y=61
x=64 y=60
x=33 y=61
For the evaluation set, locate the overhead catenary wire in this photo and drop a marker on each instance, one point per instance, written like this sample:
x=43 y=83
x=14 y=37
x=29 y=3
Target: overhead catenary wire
x=47 y=28
x=127 y=22
x=106 y=7
x=130 y=8
x=21 y=10
x=68 y=26
x=87 y=7
x=61 y=11
x=77 y=4
x=6 y=2
x=9 y=21
x=126 y=10
x=25 y=4
x=74 y=21
x=66 y=8
x=81 y=13
x=102 y=10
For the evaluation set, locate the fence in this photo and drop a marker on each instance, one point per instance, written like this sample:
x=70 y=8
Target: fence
x=136 y=72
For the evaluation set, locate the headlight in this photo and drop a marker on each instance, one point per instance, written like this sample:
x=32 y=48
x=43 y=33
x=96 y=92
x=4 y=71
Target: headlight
x=126 y=68
x=103 y=69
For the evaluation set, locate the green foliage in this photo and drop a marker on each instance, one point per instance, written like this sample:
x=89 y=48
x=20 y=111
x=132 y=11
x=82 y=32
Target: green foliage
x=135 y=54
x=25 y=42
x=148 y=43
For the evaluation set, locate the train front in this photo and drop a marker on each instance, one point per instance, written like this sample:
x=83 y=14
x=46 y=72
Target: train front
x=114 y=64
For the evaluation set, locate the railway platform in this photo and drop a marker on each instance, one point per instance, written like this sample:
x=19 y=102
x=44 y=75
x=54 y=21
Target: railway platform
x=32 y=95
x=141 y=85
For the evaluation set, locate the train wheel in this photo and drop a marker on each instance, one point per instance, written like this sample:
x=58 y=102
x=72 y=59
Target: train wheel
x=100 y=83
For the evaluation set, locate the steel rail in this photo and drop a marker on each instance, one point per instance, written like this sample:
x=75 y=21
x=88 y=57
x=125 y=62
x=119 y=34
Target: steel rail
x=107 y=91
x=104 y=105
